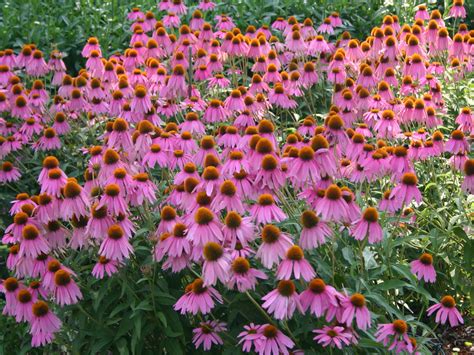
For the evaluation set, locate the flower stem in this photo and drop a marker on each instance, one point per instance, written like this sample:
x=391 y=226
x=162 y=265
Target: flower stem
x=262 y=311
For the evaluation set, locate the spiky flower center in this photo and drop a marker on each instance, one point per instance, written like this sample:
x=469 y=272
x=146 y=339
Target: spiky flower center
x=269 y=163
x=233 y=220
x=286 y=288
x=11 y=284
x=263 y=146
x=400 y=326
x=112 y=190
x=62 y=278
x=179 y=230
x=210 y=173
x=333 y=192
x=357 y=300
x=240 y=265
x=266 y=200
x=24 y=296
x=448 y=302
x=40 y=309
x=168 y=213
x=295 y=253
x=426 y=259
x=212 y=251
x=371 y=215
x=203 y=216
x=20 y=218
x=409 y=179
x=228 y=188
x=30 y=232
x=306 y=153
x=469 y=167
x=270 y=331
x=198 y=286
x=72 y=189
x=317 y=286
x=115 y=232
x=309 y=219
x=270 y=234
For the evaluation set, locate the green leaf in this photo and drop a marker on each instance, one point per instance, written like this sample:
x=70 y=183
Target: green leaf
x=144 y=305
x=165 y=299
x=381 y=302
x=404 y=270
x=138 y=326
x=100 y=344
x=161 y=316
x=122 y=347
x=119 y=309
x=391 y=284
x=125 y=326
x=348 y=255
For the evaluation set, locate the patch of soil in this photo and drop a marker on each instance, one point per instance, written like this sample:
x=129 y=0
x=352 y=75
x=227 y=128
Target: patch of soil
x=455 y=339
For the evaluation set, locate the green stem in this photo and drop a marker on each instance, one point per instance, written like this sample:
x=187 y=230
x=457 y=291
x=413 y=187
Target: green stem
x=261 y=310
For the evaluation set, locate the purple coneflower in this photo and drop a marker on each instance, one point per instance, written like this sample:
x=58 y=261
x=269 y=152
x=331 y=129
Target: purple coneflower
x=272 y=341
x=468 y=183
x=9 y=173
x=355 y=306
x=318 y=297
x=282 y=301
x=197 y=298
x=44 y=324
x=266 y=211
x=334 y=336
x=237 y=229
x=396 y=334
x=368 y=226
x=295 y=264
x=66 y=291
x=104 y=266
x=206 y=334
x=33 y=243
x=332 y=207
x=446 y=310
x=406 y=191
x=75 y=202
x=205 y=228
x=23 y=309
x=274 y=245
x=243 y=276
x=216 y=264
x=423 y=268
x=115 y=246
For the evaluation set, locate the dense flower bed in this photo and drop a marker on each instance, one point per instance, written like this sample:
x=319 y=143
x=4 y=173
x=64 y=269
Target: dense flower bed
x=289 y=170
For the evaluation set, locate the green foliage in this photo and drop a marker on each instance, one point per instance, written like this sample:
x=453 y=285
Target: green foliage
x=66 y=24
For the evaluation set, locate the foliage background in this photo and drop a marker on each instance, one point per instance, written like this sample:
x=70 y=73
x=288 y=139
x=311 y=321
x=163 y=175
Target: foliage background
x=66 y=24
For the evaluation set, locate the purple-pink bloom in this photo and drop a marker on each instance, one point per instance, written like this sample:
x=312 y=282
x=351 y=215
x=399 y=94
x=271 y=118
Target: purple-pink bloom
x=197 y=298
x=394 y=334
x=282 y=301
x=368 y=226
x=423 y=268
x=335 y=336
x=206 y=334
x=355 y=306
x=295 y=264
x=318 y=297
x=272 y=341
x=446 y=310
